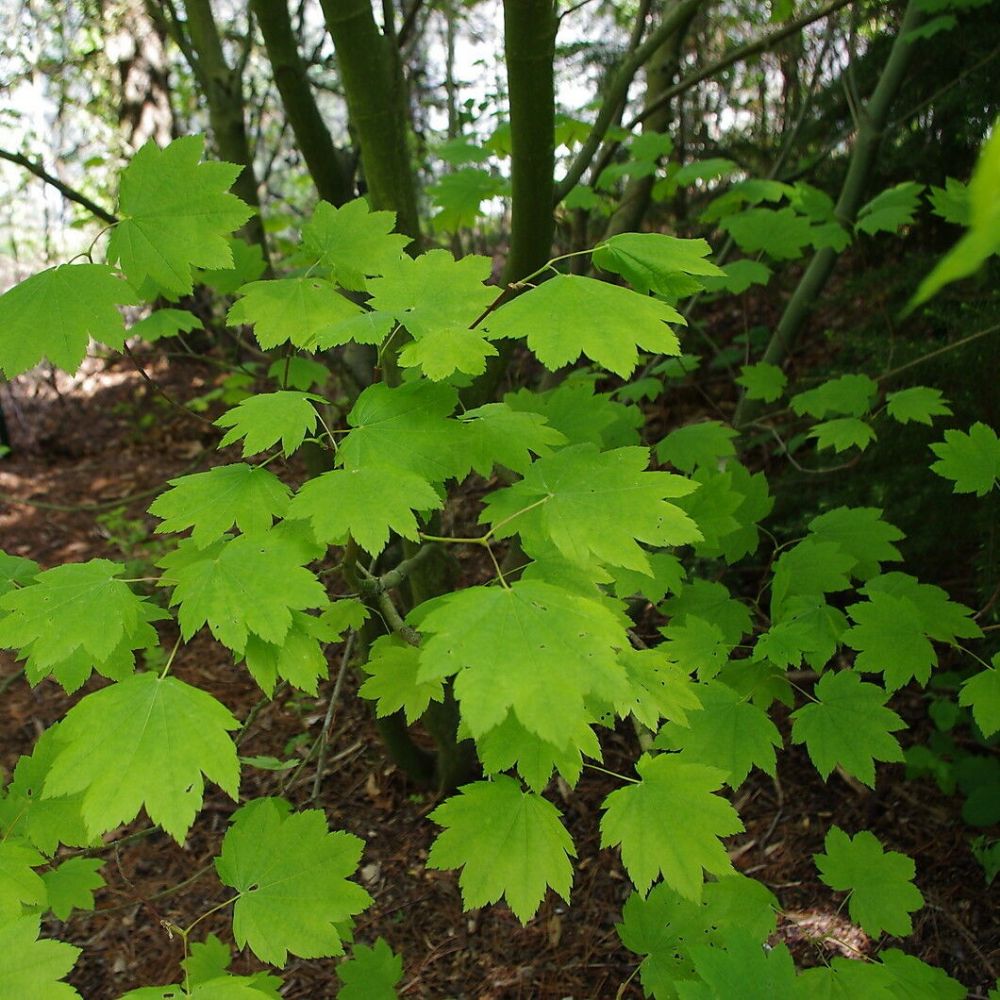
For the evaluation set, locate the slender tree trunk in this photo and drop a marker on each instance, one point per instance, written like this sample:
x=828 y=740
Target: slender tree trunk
x=223 y=90
x=373 y=83
x=327 y=165
x=873 y=118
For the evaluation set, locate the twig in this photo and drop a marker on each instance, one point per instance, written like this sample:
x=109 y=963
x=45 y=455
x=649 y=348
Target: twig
x=324 y=736
x=70 y=194
x=157 y=388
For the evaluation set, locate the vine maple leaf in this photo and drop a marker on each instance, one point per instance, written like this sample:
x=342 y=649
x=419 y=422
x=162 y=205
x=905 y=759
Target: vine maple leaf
x=292 y=876
x=880 y=882
x=670 y=823
x=146 y=741
x=848 y=725
x=268 y=417
x=507 y=842
x=34 y=968
x=565 y=498
x=53 y=314
x=176 y=214
x=971 y=461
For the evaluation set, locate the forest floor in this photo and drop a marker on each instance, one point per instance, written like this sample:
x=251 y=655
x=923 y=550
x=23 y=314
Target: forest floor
x=83 y=443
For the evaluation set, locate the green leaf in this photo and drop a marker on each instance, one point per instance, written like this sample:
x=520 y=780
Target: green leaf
x=268 y=417
x=212 y=502
x=918 y=403
x=645 y=259
x=981 y=693
x=208 y=959
x=569 y=315
x=843 y=433
x=951 y=202
x=497 y=434
x=33 y=968
x=751 y=191
x=53 y=314
x=77 y=610
x=742 y=969
x=16 y=572
x=670 y=823
x=703 y=443
x=291 y=873
x=696 y=645
x=739 y=276
x=850 y=395
x=893 y=208
x=889 y=637
x=727 y=732
x=247 y=265
x=370 y=973
x=507 y=842
x=915 y=980
x=848 y=725
x=294 y=372
x=845 y=979
x=407 y=428
x=352 y=242
x=971 y=461
x=809 y=569
x=434 y=292
x=660 y=689
x=762 y=381
x=72 y=885
x=711 y=601
x=781 y=233
x=298 y=310
x=713 y=507
x=444 y=350
x=20 y=885
x=860 y=532
x=176 y=214
x=537 y=649
x=983 y=237
x=940 y=618
x=223 y=987
x=808 y=628
x=144 y=741
x=880 y=882
x=367 y=503
x=393 y=668
x=566 y=497
x=668 y=578
x=459 y=196
x=249 y=584
x=165 y=323
x=709 y=169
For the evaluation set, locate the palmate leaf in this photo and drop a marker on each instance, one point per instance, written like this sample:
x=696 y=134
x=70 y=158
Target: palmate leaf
x=861 y=533
x=239 y=586
x=497 y=434
x=702 y=443
x=918 y=403
x=843 y=433
x=781 y=233
x=296 y=310
x=696 y=645
x=981 y=693
x=223 y=987
x=212 y=502
x=537 y=649
x=670 y=824
x=445 y=350
x=247 y=265
x=566 y=498
x=848 y=725
x=366 y=503
x=646 y=259
x=728 y=732
x=711 y=601
x=848 y=395
x=370 y=973
x=53 y=314
x=77 y=608
x=890 y=209
x=739 y=276
x=810 y=569
x=262 y=420
x=459 y=196
x=508 y=843
x=352 y=242
x=72 y=885
x=569 y=315
x=880 y=882
x=393 y=667
x=34 y=968
x=918 y=980
x=292 y=876
x=147 y=741
x=940 y=618
x=762 y=381
x=971 y=461
x=176 y=215
x=162 y=323
x=20 y=885
x=742 y=968
x=407 y=428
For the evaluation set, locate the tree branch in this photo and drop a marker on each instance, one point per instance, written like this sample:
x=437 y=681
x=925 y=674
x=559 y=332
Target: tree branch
x=70 y=194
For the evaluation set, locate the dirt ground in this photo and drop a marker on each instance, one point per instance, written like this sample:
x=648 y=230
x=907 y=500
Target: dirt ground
x=104 y=435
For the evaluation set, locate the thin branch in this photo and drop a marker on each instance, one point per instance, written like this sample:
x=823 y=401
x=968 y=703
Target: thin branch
x=331 y=709
x=70 y=194
x=159 y=390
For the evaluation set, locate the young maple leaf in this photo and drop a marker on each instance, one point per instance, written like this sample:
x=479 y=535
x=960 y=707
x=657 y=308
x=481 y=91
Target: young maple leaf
x=880 y=882
x=212 y=502
x=981 y=693
x=497 y=434
x=370 y=974
x=535 y=648
x=648 y=260
x=268 y=417
x=365 y=503
x=566 y=498
x=53 y=314
x=507 y=842
x=292 y=876
x=848 y=725
x=670 y=824
x=569 y=315
x=34 y=968
x=176 y=214
x=971 y=461
x=146 y=741
x=71 y=885
x=392 y=682
x=919 y=403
